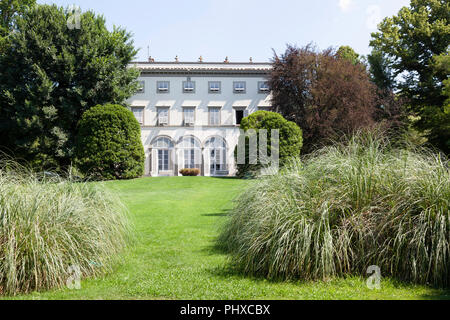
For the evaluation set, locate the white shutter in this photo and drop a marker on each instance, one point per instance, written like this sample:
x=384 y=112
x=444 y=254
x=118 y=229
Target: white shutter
x=163 y=118
x=223 y=160
x=207 y=162
x=246 y=113
x=172 y=157
x=180 y=161
x=154 y=164
x=198 y=158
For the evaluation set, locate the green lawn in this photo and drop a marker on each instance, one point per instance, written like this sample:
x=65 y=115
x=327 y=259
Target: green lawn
x=173 y=257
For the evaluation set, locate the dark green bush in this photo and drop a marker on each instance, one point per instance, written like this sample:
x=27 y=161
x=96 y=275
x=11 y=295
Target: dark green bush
x=109 y=144
x=291 y=140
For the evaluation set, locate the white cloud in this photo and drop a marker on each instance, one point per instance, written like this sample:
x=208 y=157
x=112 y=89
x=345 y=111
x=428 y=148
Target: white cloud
x=345 y=5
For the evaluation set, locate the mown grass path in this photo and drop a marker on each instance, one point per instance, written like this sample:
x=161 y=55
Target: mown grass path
x=173 y=257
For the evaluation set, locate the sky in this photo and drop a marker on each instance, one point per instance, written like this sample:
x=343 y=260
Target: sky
x=240 y=29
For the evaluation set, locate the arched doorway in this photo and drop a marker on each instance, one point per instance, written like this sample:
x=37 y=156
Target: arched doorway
x=163 y=157
x=189 y=153
x=216 y=157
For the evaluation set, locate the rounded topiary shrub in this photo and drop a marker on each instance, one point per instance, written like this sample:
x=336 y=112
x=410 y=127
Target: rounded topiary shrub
x=109 y=144
x=290 y=134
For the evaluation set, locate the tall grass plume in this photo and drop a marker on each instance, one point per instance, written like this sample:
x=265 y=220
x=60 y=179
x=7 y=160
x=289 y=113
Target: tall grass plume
x=344 y=208
x=48 y=224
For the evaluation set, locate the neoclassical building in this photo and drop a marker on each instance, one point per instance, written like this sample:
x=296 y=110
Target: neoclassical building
x=190 y=113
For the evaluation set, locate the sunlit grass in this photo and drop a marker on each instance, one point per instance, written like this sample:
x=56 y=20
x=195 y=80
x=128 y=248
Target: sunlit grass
x=177 y=221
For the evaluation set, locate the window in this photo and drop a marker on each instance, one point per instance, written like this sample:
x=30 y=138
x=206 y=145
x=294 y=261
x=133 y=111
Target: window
x=163 y=86
x=239 y=86
x=214 y=86
x=163 y=160
x=191 y=152
x=263 y=87
x=163 y=151
x=141 y=88
x=188 y=86
x=239 y=116
x=163 y=143
x=216 y=149
x=189 y=116
x=214 y=116
x=189 y=159
x=138 y=113
x=163 y=116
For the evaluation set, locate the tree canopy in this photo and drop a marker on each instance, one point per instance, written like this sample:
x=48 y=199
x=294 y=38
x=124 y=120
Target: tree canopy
x=9 y=10
x=325 y=94
x=51 y=74
x=347 y=52
x=409 y=44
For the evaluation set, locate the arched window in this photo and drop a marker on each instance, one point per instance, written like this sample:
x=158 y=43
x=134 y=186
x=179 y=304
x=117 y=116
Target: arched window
x=163 y=153
x=216 y=150
x=190 y=153
x=216 y=143
x=189 y=142
x=163 y=143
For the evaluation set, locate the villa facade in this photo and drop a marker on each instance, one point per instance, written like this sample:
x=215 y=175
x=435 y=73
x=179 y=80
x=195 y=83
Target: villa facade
x=190 y=113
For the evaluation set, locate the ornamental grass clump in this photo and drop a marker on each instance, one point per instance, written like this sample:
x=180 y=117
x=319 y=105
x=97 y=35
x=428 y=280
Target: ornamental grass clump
x=344 y=208
x=50 y=226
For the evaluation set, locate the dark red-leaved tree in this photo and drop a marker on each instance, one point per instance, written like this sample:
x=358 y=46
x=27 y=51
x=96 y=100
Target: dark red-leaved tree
x=325 y=94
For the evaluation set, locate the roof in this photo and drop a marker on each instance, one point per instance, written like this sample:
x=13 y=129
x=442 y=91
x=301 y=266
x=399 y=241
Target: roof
x=204 y=67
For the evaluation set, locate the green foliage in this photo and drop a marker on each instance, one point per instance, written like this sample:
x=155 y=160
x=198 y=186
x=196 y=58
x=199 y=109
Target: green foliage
x=48 y=225
x=346 y=207
x=9 y=10
x=409 y=42
x=290 y=135
x=109 y=144
x=52 y=74
x=347 y=52
x=439 y=118
x=380 y=71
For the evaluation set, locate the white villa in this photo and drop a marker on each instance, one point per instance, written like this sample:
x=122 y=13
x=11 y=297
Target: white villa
x=190 y=113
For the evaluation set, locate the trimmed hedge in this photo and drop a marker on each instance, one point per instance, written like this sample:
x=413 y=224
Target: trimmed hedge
x=291 y=138
x=109 y=144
